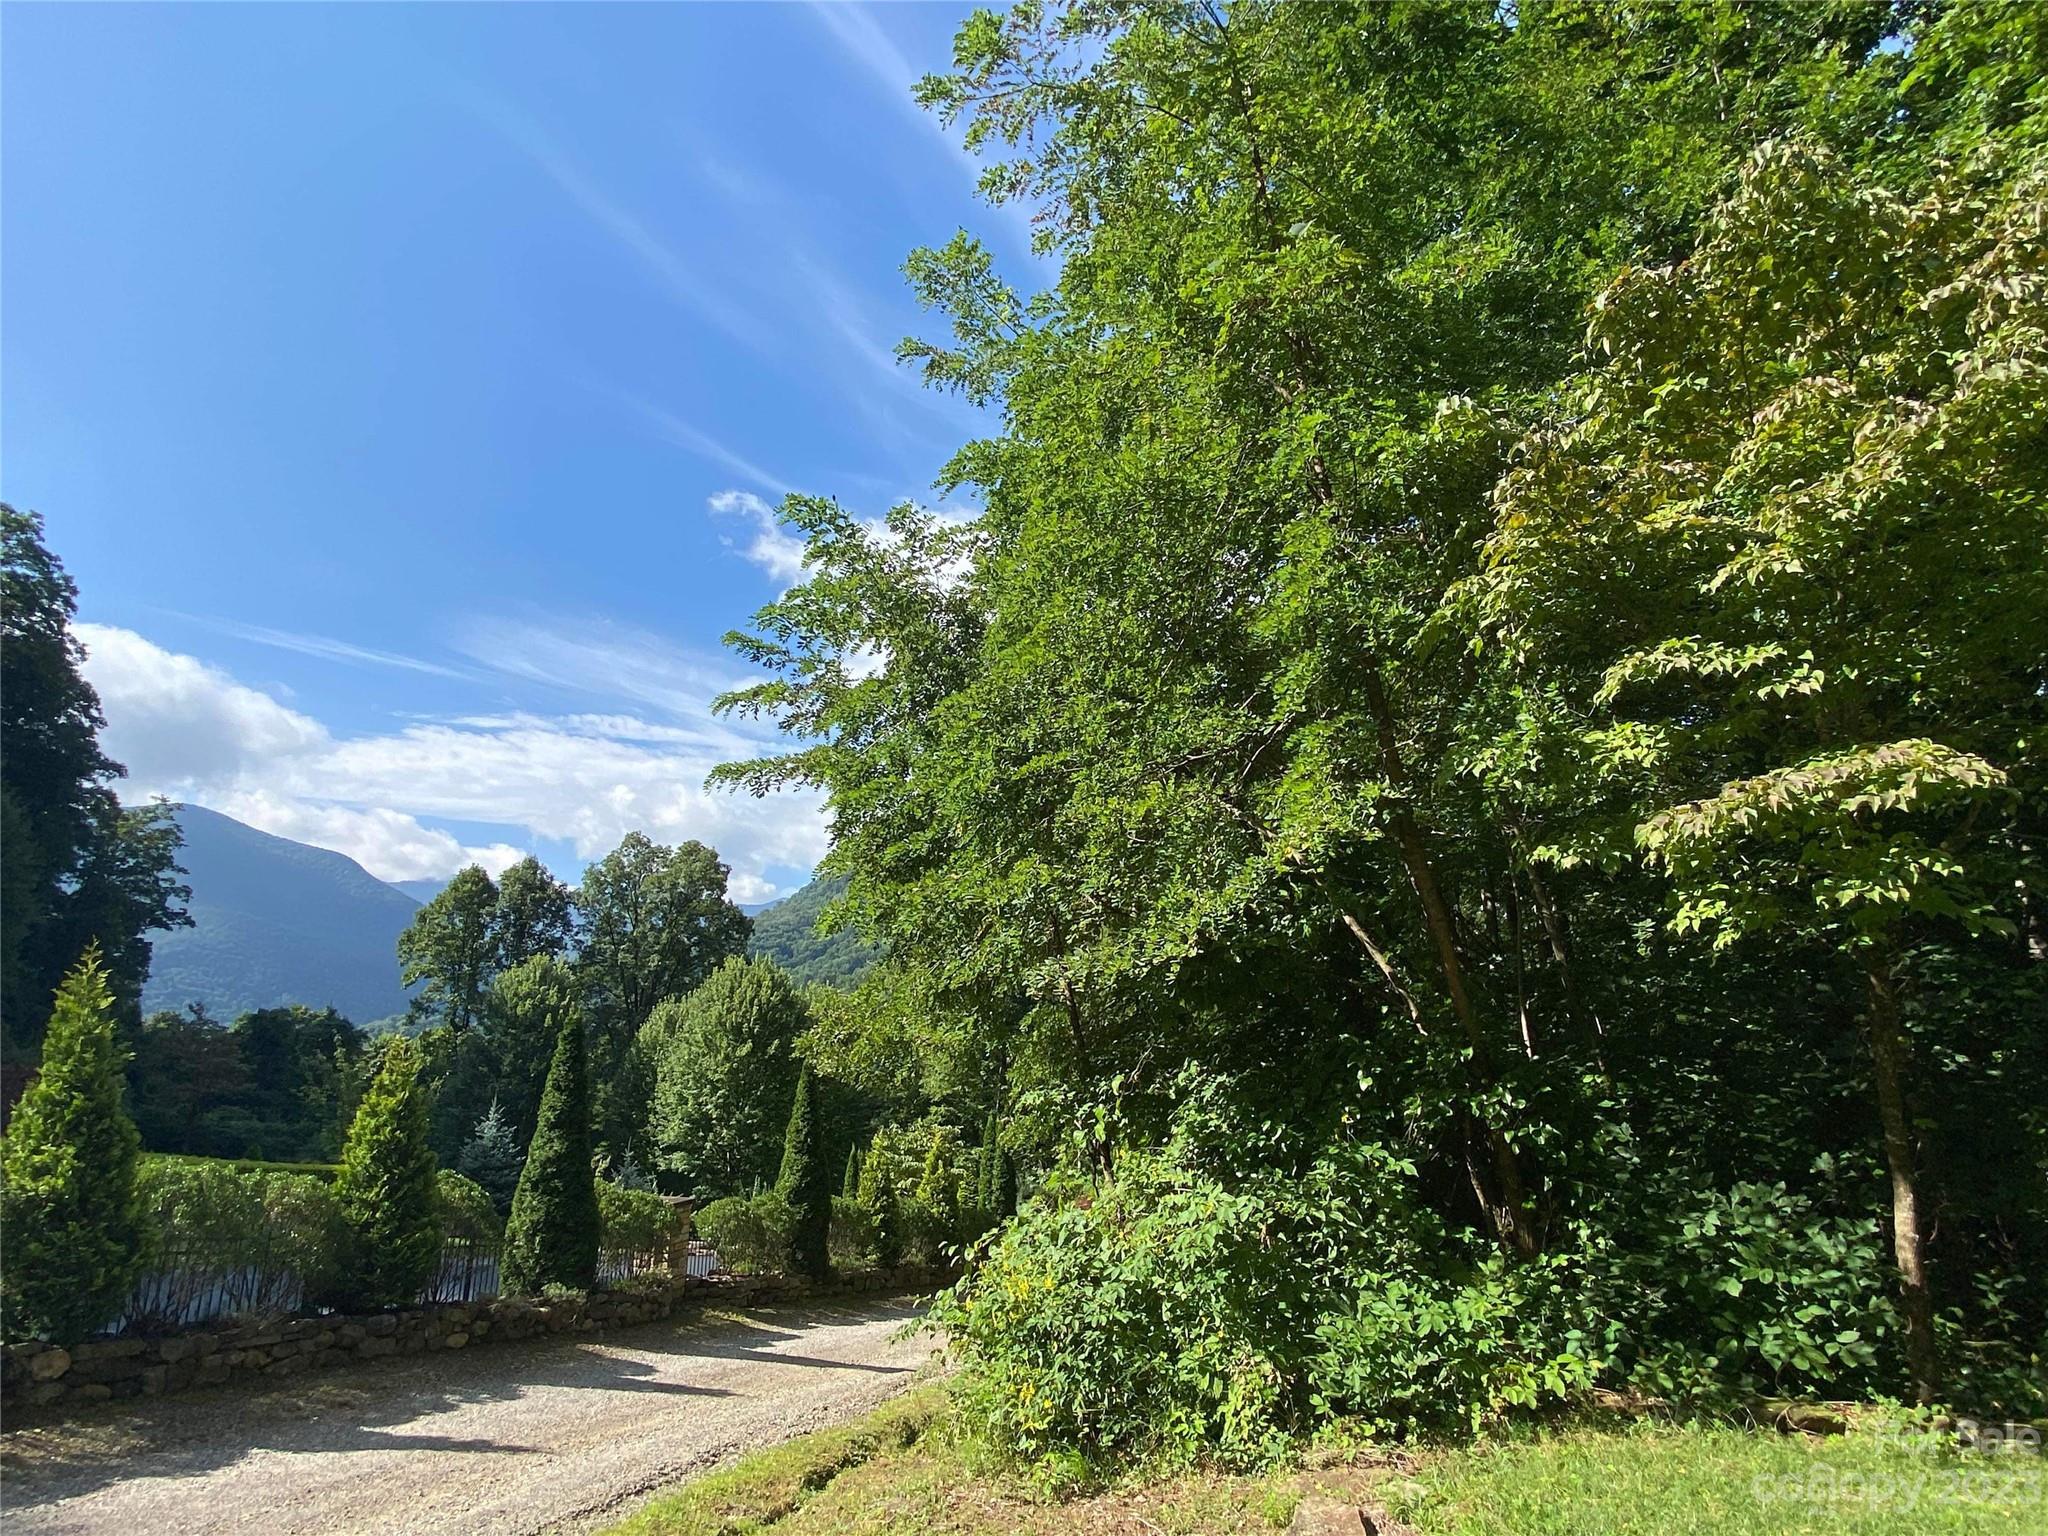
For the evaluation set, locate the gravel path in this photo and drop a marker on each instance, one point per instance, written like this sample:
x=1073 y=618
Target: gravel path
x=558 y=1435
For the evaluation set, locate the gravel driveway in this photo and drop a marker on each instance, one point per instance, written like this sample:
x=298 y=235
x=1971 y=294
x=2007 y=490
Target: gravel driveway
x=556 y=1435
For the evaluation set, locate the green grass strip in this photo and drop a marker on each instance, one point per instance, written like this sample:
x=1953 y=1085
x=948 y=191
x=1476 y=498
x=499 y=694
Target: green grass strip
x=769 y=1485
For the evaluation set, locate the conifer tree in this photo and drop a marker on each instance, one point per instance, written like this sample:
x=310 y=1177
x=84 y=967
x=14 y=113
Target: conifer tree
x=850 y=1186
x=386 y=1188
x=878 y=1198
x=67 y=1175
x=1006 y=1186
x=493 y=1158
x=936 y=1187
x=552 y=1236
x=804 y=1184
x=989 y=1172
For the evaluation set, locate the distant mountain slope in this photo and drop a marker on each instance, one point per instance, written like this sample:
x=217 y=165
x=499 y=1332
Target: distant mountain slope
x=421 y=891
x=278 y=922
x=785 y=931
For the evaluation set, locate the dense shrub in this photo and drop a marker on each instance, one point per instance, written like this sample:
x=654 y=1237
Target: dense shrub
x=552 y=1237
x=278 y=1238
x=880 y=1208
x=1182 y=1313
x=852 y=1237
x=633 y=1220
x=1203 y=1302
x=805 y=1185
x=752 y=1236
x=387 y=1189
x=67 y=1175
x=467 y=1210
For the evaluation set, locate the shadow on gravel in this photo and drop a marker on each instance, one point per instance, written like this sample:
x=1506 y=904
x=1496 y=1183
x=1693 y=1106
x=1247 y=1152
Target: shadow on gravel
x=347 y=1409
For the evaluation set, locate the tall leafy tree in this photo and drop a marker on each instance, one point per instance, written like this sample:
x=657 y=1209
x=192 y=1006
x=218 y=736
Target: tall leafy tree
x=535 y=916
x=1317 y=260
x=1817 y=697
x=723 y=1067
x=522 y=1014
x=79 y=869
x=67 y=1176
x=551 y=1237
x=386 y=1188
x=656 y=922
x=451 y=945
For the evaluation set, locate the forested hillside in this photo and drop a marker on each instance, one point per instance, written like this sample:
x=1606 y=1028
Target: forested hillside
x=276 y=922
x=786 y=932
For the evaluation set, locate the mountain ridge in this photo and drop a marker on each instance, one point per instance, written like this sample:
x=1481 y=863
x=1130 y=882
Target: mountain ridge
x=275 y=922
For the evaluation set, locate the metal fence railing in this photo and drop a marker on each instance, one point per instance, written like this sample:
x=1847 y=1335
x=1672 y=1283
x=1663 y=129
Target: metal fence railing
x=469 y=1272
x=187 y=1286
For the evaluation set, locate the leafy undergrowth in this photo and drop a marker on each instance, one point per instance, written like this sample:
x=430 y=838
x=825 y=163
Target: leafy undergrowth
x=902 y=1472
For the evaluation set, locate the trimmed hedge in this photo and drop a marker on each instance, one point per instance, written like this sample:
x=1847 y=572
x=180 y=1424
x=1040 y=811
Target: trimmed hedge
x=467 y=1210
x=752 y=1236
x=633 y=1220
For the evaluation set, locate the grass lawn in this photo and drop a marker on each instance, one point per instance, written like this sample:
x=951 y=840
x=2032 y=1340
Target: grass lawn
x=901 y=1472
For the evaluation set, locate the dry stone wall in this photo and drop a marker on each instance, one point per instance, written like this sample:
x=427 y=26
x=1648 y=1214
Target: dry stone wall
x=48 y=1378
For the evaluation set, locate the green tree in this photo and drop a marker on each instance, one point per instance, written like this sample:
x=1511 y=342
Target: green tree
x=552 y=1235
x=805 y=1184
x=656 y=922
x=938 y=1187
x=493 y=1158
x=387 y=1190
x=850 y=1185
x=722 y=1065
x=535 y=915
x=1318 y=259
x=452 y=946
x=79 y=870
x=878 y=1198
x=1816 y=708
x=67 y=1175
x=522 y=1014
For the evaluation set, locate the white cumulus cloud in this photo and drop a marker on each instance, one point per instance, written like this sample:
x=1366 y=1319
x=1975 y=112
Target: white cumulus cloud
x=191 y=731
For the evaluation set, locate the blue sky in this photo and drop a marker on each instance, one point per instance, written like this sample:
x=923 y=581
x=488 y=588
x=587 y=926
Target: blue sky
x=406 y=388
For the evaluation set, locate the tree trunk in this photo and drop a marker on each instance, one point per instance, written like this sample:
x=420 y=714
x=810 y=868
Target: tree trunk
x=1504 y=1195
x=1909 y=1233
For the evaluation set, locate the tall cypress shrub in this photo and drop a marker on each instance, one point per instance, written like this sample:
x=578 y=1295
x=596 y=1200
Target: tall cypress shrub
x=850 y=1185
x=68 y=1202
x=989 y=1172
x=805 y=1185
x=387 y=1188
x=552 y=1237
x=878 y=1198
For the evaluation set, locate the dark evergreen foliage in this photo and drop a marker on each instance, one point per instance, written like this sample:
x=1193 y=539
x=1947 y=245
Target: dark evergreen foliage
x=68 y=1204
x=804 y=1183
x=387 y=1188
x=552 y=1236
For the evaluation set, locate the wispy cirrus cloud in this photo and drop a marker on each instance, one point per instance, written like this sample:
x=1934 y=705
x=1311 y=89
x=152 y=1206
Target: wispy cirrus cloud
x=679 y=432
x=676 y=275
x=325 y=646
x=855 y=29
